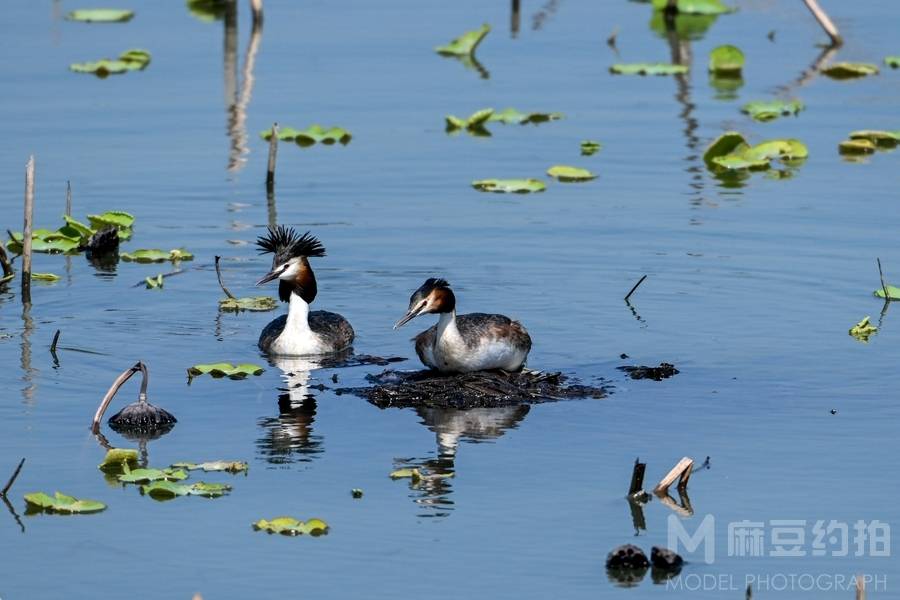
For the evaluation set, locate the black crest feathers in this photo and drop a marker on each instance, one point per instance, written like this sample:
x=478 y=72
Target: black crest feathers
x=433 y=282
x=284 y=242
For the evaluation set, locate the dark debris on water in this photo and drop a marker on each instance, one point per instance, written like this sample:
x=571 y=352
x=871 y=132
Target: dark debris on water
x=482 y=389
x=663 y=371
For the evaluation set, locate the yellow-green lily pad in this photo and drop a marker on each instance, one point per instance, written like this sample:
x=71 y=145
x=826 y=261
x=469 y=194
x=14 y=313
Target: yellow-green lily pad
x=726 y=61
x=100 y=15
x=61 y=503
x=465 y=44
x=725 y=144
x=150 y=475
x=235 y=466
x=768 y=110
x=117 y=459
x=647 y=69
x=130 y=60
x=165 y=490
x=892 y=61
x=570 y=174
x=46 y=277
x=785 y=149
x=292 y=526
x=314 y=134
x=694 y=7
x=863 y=330
x=882 y=139
x=413 y=474
x=116 y=218
x=218 y=370
x=892 y=290
x=155 y=255
x=475 y=122
x=512 y=116
x=850 y=70
x=253 y=304
x=856 y=147
x=510 y=186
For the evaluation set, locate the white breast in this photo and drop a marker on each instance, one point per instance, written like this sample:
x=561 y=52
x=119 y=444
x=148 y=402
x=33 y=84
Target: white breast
x=297 y=339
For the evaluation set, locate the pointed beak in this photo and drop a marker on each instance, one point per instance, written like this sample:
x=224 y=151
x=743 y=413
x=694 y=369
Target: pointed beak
x=410 y=315
x=271 y=275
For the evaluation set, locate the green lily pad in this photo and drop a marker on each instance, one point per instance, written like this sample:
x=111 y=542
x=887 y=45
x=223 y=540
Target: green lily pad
x=858 y=146
x=48 y=277
x=892 y=290
x=253 y=304
x=62 y=503
x=725 y=144
x=590 y=147
x=292 y=526
x=154 y=283
x=235 y=466
x=687 y=27
x=465 y=44
x=314 y=134
x=694 y=7
x=863 y=330
x=207 y=10
x=785 y=149
x=849 y=70
x=726 y=60
x=165 y=490
x=413 y=474
x=509 y=186
x=130 y=60
x=740 y=162
x=100 y=15
x=117 y=459
x=648 y=69
x=570 y=174
x=155 y=255
x=768 y=110
x=892 y=61
x=511 y=116
x=218 y=370
x=39 y=242
x=115 y=218
x=475 y=122
x=83 y=230
x=882 y=139
x=151 y=475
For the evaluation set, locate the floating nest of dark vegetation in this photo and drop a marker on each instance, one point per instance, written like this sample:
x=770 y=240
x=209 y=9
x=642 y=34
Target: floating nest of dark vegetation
x=663 y=371
x=483 y=389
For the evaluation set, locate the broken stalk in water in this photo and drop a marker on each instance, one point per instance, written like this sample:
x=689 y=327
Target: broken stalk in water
x=640 y=281
x=273 y=153
x=26 y=234
x=825 y=21
x=219 y=277
x=681 y=472
x=12 y=479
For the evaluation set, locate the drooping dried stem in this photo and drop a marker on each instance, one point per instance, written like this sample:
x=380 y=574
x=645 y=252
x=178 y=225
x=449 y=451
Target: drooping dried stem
x=219 y=276
x=111 y=392
x=54 y=342
x=825 y=21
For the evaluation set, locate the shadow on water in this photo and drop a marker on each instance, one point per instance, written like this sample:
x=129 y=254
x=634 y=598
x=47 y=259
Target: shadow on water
x=238 y=99
x=452 y=426
x=289 y=437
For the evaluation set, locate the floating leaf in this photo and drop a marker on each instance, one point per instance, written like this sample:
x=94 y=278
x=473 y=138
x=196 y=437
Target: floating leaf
x=785 y=149
x=694 y=7
x=164 y=490
x=723 y=145
x=726 y=60
x=849 y=70
x=475 y=122
x=154 y=283
x=856 y=147
x=570 y=174
x=150 y=475
x=253 y=304
x=740 y=162
x=892 y=61
x=218 y=370
x=768 y=110
x=511 y=116
x=41 y=242
x=311 y=135
x=154 y=255
x=687 y=27
x=83 y=230
x=100 y=15
x=117 y=459
x=292 y=526
x=130 y=60
x=863 y=330
x=207 y=10
x=116 y=218
x=508 y=186
x=413 y=474
x=465 y=44
x=590 y=147
x=48 y=277
x=892 y=290
x=62 y=503
x=648 y=69
x=882 y=139
x=219 y=465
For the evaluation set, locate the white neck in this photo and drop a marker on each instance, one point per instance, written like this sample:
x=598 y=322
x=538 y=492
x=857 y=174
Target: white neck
x=446 y=326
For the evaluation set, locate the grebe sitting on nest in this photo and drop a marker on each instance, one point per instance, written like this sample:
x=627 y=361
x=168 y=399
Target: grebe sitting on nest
x=473 y=342
x=300 y=332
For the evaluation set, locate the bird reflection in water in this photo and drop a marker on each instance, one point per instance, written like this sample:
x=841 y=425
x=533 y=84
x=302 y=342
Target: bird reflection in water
x=289 y=437
x=451 y=426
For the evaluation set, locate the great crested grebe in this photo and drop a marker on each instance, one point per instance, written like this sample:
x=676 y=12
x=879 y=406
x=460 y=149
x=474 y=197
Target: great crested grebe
x=473 y=342
x=300 y=332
